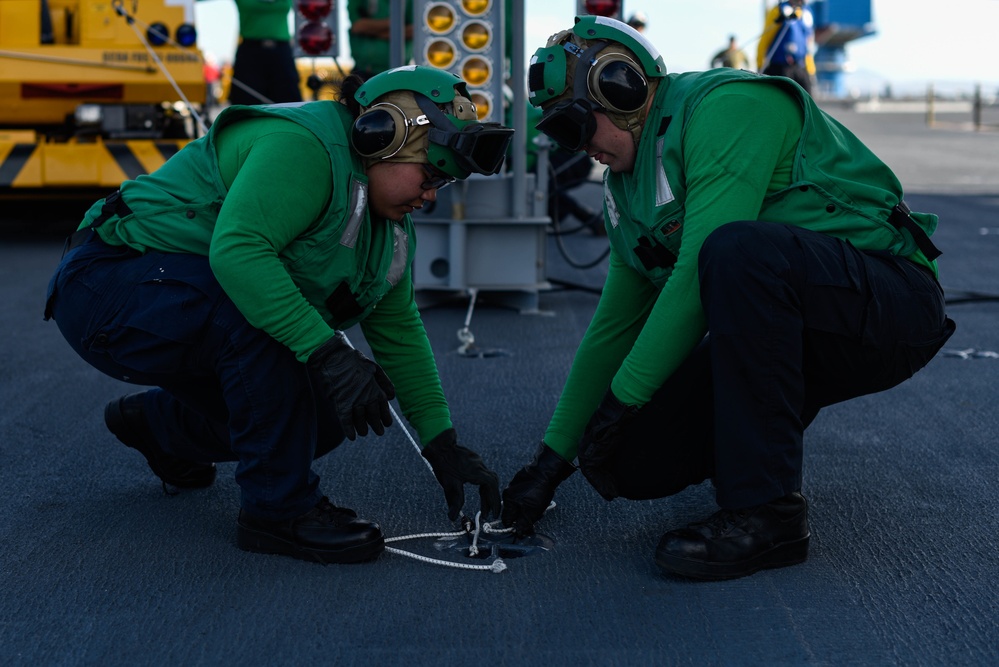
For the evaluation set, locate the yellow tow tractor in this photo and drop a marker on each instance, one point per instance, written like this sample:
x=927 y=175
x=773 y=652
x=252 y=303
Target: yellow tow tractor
x=93 y=92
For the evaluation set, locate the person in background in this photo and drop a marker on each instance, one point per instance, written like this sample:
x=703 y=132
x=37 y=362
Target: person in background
x=369 y=35
x=224 y=280
x=211 y=69
x=263 y=69
x=763 y=266
x=731 y=56
x=638 y=21
x=787 y=44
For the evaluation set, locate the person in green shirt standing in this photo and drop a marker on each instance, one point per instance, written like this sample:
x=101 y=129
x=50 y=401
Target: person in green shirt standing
x=369 y=35
x=763 y=266
x=224 y=280
x=263 y=69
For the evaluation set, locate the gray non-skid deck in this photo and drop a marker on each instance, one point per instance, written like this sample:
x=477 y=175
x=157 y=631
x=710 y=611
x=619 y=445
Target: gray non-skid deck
x=99 y=567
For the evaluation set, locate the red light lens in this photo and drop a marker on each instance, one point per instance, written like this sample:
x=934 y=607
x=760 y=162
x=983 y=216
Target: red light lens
x=314 y=10
x=315 y=38
x=602 y=7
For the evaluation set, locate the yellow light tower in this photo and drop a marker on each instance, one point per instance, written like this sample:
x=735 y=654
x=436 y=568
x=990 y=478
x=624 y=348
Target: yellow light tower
x=465 y=37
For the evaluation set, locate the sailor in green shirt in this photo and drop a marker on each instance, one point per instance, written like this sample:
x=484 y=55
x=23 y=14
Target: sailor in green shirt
x=370 y=32
x=226 y=278
x=263 y=68
x=763 y=265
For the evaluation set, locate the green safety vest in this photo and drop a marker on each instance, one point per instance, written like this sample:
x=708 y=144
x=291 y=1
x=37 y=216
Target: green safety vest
x=838 y=186
x=344 y=264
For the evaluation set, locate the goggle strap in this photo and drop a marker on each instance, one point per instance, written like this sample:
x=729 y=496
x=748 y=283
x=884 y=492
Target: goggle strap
x=437 y=118
x=440 y=137
x=587 y=58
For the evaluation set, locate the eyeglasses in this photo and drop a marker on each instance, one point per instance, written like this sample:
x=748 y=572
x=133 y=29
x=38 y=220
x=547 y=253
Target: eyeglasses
x=436 y=179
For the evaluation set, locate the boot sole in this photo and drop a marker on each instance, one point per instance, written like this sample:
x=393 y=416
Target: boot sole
x=199 y=478
x=260 y=542
x=782 y=555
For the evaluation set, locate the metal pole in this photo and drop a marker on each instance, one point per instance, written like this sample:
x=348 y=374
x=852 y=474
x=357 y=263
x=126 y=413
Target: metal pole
x=519 y=102
x=929 y=105
x=397 y=33
x=976 y=107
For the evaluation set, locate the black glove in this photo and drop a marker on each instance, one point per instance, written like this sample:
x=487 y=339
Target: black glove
x=358 y=387
x=454 y=466
x=531 y=490
x=602 y=436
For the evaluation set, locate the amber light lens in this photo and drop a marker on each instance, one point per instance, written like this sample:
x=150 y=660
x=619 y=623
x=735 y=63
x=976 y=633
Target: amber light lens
x=476 y=71
x=474 y=7
x=475 y=36
x=483 y=105
x=440 y=19
x=441 y=53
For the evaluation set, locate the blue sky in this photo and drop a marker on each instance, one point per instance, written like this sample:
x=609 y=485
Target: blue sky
x=918 y=41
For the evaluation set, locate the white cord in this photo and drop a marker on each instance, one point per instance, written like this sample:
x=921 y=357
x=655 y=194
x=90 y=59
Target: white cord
x=497 y=565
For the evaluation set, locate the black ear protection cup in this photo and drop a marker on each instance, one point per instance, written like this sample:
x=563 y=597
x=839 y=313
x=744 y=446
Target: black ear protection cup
x=616 y=83
x=380 y=132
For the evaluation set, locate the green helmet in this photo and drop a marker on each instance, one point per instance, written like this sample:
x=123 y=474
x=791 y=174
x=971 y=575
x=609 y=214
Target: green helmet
x=424 y=114
x=608 y=65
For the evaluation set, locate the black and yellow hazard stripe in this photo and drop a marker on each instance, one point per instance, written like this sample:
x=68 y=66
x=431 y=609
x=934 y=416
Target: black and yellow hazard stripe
x=14 y=162
x=167 y=149
x=124 y=155
x=133 y=158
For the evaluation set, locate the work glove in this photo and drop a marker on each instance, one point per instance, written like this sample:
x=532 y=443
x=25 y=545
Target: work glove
x=356 y=386
x=603 y=434
x=453 y=466
x=531 y=490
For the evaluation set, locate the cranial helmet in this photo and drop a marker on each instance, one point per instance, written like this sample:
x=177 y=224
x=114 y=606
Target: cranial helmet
x=601 y=64
x=424 y=115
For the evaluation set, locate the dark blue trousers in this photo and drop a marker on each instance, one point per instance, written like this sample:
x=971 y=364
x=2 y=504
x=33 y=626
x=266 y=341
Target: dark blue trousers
x=226 y=391
x=266 y=67
x=797 y=321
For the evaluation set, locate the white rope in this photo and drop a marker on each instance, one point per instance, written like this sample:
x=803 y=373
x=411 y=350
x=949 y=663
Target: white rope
x=465 y=335
x=497 y=565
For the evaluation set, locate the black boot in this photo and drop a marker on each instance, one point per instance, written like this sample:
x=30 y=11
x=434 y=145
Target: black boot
x=735 y=543
x=326 y=533
x=126 y=419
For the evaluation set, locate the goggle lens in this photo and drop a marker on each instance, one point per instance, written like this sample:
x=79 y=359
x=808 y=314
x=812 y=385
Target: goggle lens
x=482 y=147
x=571 y=124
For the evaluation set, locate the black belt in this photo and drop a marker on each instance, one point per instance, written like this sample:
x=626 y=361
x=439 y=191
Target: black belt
x=900 y=219
x=264 y=43
x=113 y=205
